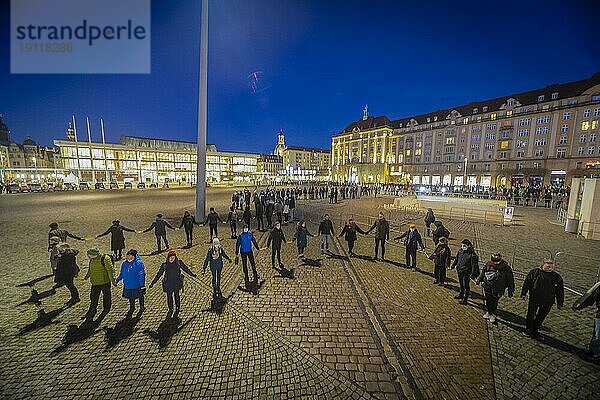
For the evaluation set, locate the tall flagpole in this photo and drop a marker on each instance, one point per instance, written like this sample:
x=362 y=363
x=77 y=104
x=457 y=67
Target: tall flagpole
x=202 y=108
x=77 y=150
x=87 y=121
x=104 y=150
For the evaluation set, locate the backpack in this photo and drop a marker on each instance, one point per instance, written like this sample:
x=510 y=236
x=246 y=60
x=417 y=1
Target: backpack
x=103 y=258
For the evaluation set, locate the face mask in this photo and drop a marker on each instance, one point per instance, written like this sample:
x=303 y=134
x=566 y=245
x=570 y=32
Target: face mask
x=464 y=247
x=245 y=230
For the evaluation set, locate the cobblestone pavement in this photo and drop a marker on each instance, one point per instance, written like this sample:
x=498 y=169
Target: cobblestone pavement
x=553 y=367
x=340 y=328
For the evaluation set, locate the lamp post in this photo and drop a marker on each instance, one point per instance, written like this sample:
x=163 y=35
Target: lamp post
x=202 y=101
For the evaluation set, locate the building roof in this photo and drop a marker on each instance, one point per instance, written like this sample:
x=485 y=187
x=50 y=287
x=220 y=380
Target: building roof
x=311 y=149
x=271 y=158
x=564 y=90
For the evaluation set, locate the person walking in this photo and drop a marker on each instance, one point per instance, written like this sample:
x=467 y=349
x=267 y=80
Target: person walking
x=214 y=258
x=232 y=218
x=467 y=267
x=160 y=231
x=545 y=286
x=172 y=283
x=382 y=233
x=187 y=222
x=101 y=273
x=325 y=230
x=213 y=219
x=349 y=233
x=63 y=234
x=496 y=276
x=412 y=240
x=117 y=238
x=133 y=275
x=441 y=257
x=429 y=219
x=66 y=271
x=275 y=239
x=244 y=246
x=301 y=237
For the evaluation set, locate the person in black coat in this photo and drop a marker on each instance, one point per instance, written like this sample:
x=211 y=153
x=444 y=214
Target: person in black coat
x=66 y=271
x=247 y=216
x=275 y=239
x=269 y=210
x=212 y=219
x=232 y=218
x=63 y=234
x=187 y=222
x=412 y=240
x=160 y=230
x=349 y=233
x=441 y=260
x=429 y=219
x=466 y=263
x=496 y=276
x=545 y=286
x=173 y=281
x=439 y=232
x=117 y=238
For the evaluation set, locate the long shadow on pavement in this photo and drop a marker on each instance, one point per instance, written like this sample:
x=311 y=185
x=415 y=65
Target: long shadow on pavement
x=43 y=319
x=253 y=287
x=32 y=282
x=122 y=330
x=284 y=273
x=311 y=262
x=338 y=256
x=474 y=295
x=217 y=304
x=80 y=333
x=36 y=297
x=167 y=329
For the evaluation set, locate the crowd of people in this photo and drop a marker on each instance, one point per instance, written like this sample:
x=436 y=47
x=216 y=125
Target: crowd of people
x=543 y=285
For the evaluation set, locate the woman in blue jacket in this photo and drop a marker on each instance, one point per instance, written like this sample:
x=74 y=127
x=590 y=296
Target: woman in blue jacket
x=133 y=275
x=214 y=257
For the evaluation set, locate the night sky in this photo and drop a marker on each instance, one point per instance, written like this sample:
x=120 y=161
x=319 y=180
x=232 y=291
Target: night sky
x=319 y=63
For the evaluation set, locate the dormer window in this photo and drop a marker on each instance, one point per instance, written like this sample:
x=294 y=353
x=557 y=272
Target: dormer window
x=510 y=102
x=554 y=95
x=435 y=118
x=475 y=110
x=484 y=108
x=541 y=97
x=428 y=119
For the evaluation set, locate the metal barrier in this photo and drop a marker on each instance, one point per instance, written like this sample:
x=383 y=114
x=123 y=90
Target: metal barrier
x=576 y=262
x=561 y=215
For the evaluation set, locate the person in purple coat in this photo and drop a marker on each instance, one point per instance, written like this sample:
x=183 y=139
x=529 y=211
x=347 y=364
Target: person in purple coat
x=133 y=275
x=173 y=281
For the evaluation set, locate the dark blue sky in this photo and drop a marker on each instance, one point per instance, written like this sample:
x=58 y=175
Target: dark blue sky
x=321 y=61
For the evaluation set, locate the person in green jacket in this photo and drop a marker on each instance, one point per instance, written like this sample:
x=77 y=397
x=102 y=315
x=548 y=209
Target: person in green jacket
x=101 y=274
x=382 y=233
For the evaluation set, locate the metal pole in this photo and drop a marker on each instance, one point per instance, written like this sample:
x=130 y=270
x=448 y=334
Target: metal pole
x=104 y=151
x=87 y=121
x=76 y=150
x=202 y=108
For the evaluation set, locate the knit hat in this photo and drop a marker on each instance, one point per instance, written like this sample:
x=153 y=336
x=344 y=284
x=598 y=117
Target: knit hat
x=132 y=252
x=467 y=242
x=159 y=215
x=93 y=251
x=53 y=225
x=171 y=253
x=54 y=240
x=496 y=257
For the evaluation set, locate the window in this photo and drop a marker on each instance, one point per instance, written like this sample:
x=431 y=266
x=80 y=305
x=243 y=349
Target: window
x=450 y=140
x=585 y=125
x=580 y=151
x=541 y=131
x=509 y=113
x=474 y=147
x=491 y=127
x=510 y=102
x=586 y=114
x=524 y=121
x=465 y=120
x=476 y=138
x=539 y=153
x=489 y=146
x=502 y=154
x=505 y=135
x=490 y=136
x=561 y=153
x=554 y=95
x=563 y=140
x=594 y=124
x=523 y=132
x=522 y=143
x=592 y=137
x=492 y=116
x=504 y=144
x=475 y=110
x=520 y=154
x=540 y=142
x=596 y=112
x=543 y=119
x=566 y=116
x=564 y=129
x=582 y=139
x=591 y=150
x=541 y=97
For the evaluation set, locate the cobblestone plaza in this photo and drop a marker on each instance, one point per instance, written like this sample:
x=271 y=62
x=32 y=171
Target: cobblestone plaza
x=336 y=327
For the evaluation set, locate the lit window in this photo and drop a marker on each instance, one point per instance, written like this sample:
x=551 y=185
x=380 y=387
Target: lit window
x=585 y=125
x=475 y=110
x=504 y=144
x=566 y=116
x=492 y=116
x=541 y=97
x=509 y=113
x=594 y=124
x=465 y=120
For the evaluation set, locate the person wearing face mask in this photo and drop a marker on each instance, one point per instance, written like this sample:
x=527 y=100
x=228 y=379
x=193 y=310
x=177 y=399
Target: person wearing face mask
x=214 y=258
x=133 y=275
x=244 y=246
x=466 y=263
x=382 y=233
x=173 y=281
x=301 y=237
x=276 y=238
x=412 y=240
x=545 y=286
x=496 y=276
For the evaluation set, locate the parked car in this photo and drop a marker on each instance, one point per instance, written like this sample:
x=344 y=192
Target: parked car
x=153 y=185
x=35 y=187
x=13 y=188
x=99 y=186
x=141 y=185
x=84 y=186
x=127 y=185
x=69 y=186
x=114 y=185
x=25 y=188
x=165 y=185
